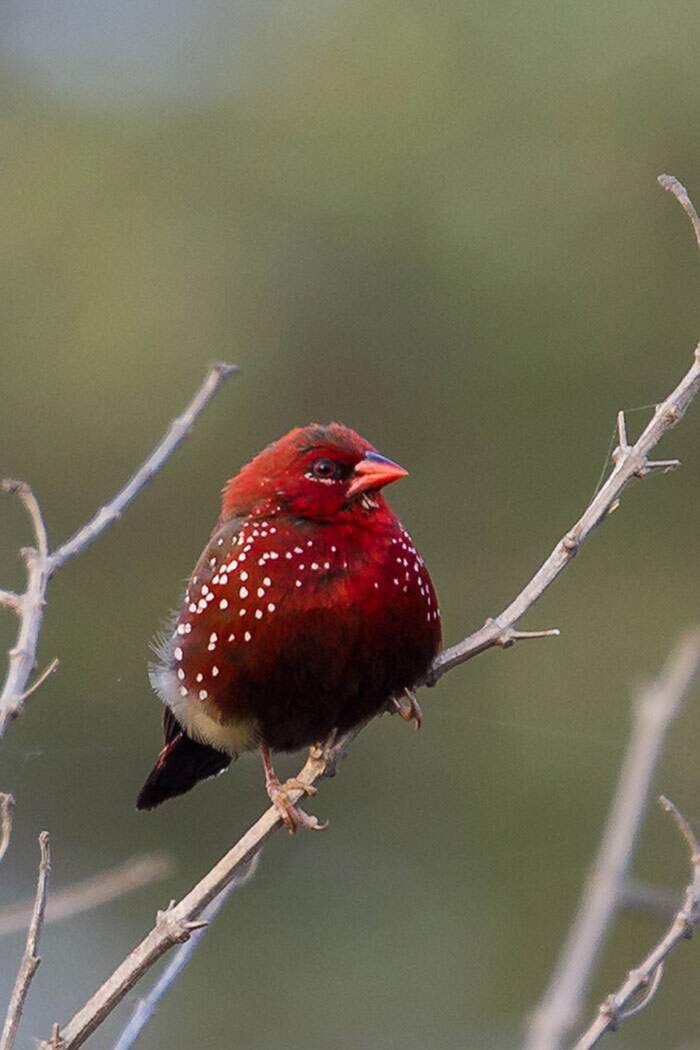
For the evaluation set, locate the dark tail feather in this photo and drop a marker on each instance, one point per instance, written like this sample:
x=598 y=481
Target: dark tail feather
x=181 y=763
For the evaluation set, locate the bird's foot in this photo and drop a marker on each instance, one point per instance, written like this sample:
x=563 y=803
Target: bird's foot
x=293 y=816
x=408 y=707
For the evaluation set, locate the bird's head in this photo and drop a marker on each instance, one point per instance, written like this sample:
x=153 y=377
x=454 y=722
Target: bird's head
x=323 y=473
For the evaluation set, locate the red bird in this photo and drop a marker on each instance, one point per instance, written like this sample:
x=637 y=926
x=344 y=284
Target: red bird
x=308 y=612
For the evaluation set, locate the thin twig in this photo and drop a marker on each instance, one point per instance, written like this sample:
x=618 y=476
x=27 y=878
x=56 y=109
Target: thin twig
x=7 y=805
x=671 y=183
x=30 y=609
x=653 y=711
x=175 y=924
x=52 y=666
x=645 y=979
x=631 y=461
x=174 y=436
x=90 y=893
x=146 y=1007
x=41 y=565
x=30 y=960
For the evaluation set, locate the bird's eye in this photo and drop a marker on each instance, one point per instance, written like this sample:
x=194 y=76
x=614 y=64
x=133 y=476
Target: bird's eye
x=325 y=468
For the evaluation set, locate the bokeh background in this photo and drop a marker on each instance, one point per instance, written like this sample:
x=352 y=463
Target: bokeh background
x=438 y=223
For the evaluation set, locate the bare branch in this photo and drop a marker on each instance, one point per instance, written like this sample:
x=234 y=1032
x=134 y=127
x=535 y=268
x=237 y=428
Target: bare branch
x=41 y=565
x=52 y=666
x=176 y=924
x=30 y=960
x=146 y=1007
x=89 y=893
x=653 y=711
x=645 y=979
x=26 y=496
x=629 y=461
x=175 y=435
x=671 y=183
x=7 y=805
x=29 y=608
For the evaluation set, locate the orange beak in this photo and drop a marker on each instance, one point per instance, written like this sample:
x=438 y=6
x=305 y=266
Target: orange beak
x=374 y=472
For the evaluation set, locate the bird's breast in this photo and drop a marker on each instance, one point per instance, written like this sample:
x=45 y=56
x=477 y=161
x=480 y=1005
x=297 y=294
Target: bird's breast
x=285 y=626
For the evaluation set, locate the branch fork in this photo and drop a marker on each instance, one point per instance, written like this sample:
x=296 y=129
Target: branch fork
x=625 y=451
x=175 y=929
x=646 y=978
x=41 y=564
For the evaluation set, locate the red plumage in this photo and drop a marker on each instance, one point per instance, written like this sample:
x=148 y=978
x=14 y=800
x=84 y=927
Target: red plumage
x=307 y=612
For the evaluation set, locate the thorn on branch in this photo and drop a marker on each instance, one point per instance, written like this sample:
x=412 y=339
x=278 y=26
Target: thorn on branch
x=46 y=673
x=195 y=924
x=507 y=636
x=178 y=930
x=622 y=432
x=624 y=450
x=664 y=465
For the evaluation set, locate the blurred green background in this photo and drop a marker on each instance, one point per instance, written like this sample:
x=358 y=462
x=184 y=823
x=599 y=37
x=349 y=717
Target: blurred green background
x=440 y=225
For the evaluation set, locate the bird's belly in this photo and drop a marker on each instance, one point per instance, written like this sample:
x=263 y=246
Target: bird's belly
x=282 y=645
x=238 y=733
x=335 y=670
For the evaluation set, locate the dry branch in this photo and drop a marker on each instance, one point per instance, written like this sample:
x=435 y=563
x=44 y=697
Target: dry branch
x=29 y=608
x=146 y=1007
x=653 y=710
x=7 y=805
x=645 y=979
x=30 y=959
x=91 y=892
x=629 y=461
x=41 y=565
x=176 y=924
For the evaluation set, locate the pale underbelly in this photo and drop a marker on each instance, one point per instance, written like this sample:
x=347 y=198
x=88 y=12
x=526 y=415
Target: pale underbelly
x=235 y=735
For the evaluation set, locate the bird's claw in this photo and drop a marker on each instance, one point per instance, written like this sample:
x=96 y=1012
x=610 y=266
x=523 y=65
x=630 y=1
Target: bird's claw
x=411 y=711
x=293 y=816
x=293 y=784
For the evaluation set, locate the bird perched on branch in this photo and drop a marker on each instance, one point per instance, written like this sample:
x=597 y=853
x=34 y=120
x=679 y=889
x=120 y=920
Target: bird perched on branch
x=308 y=612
